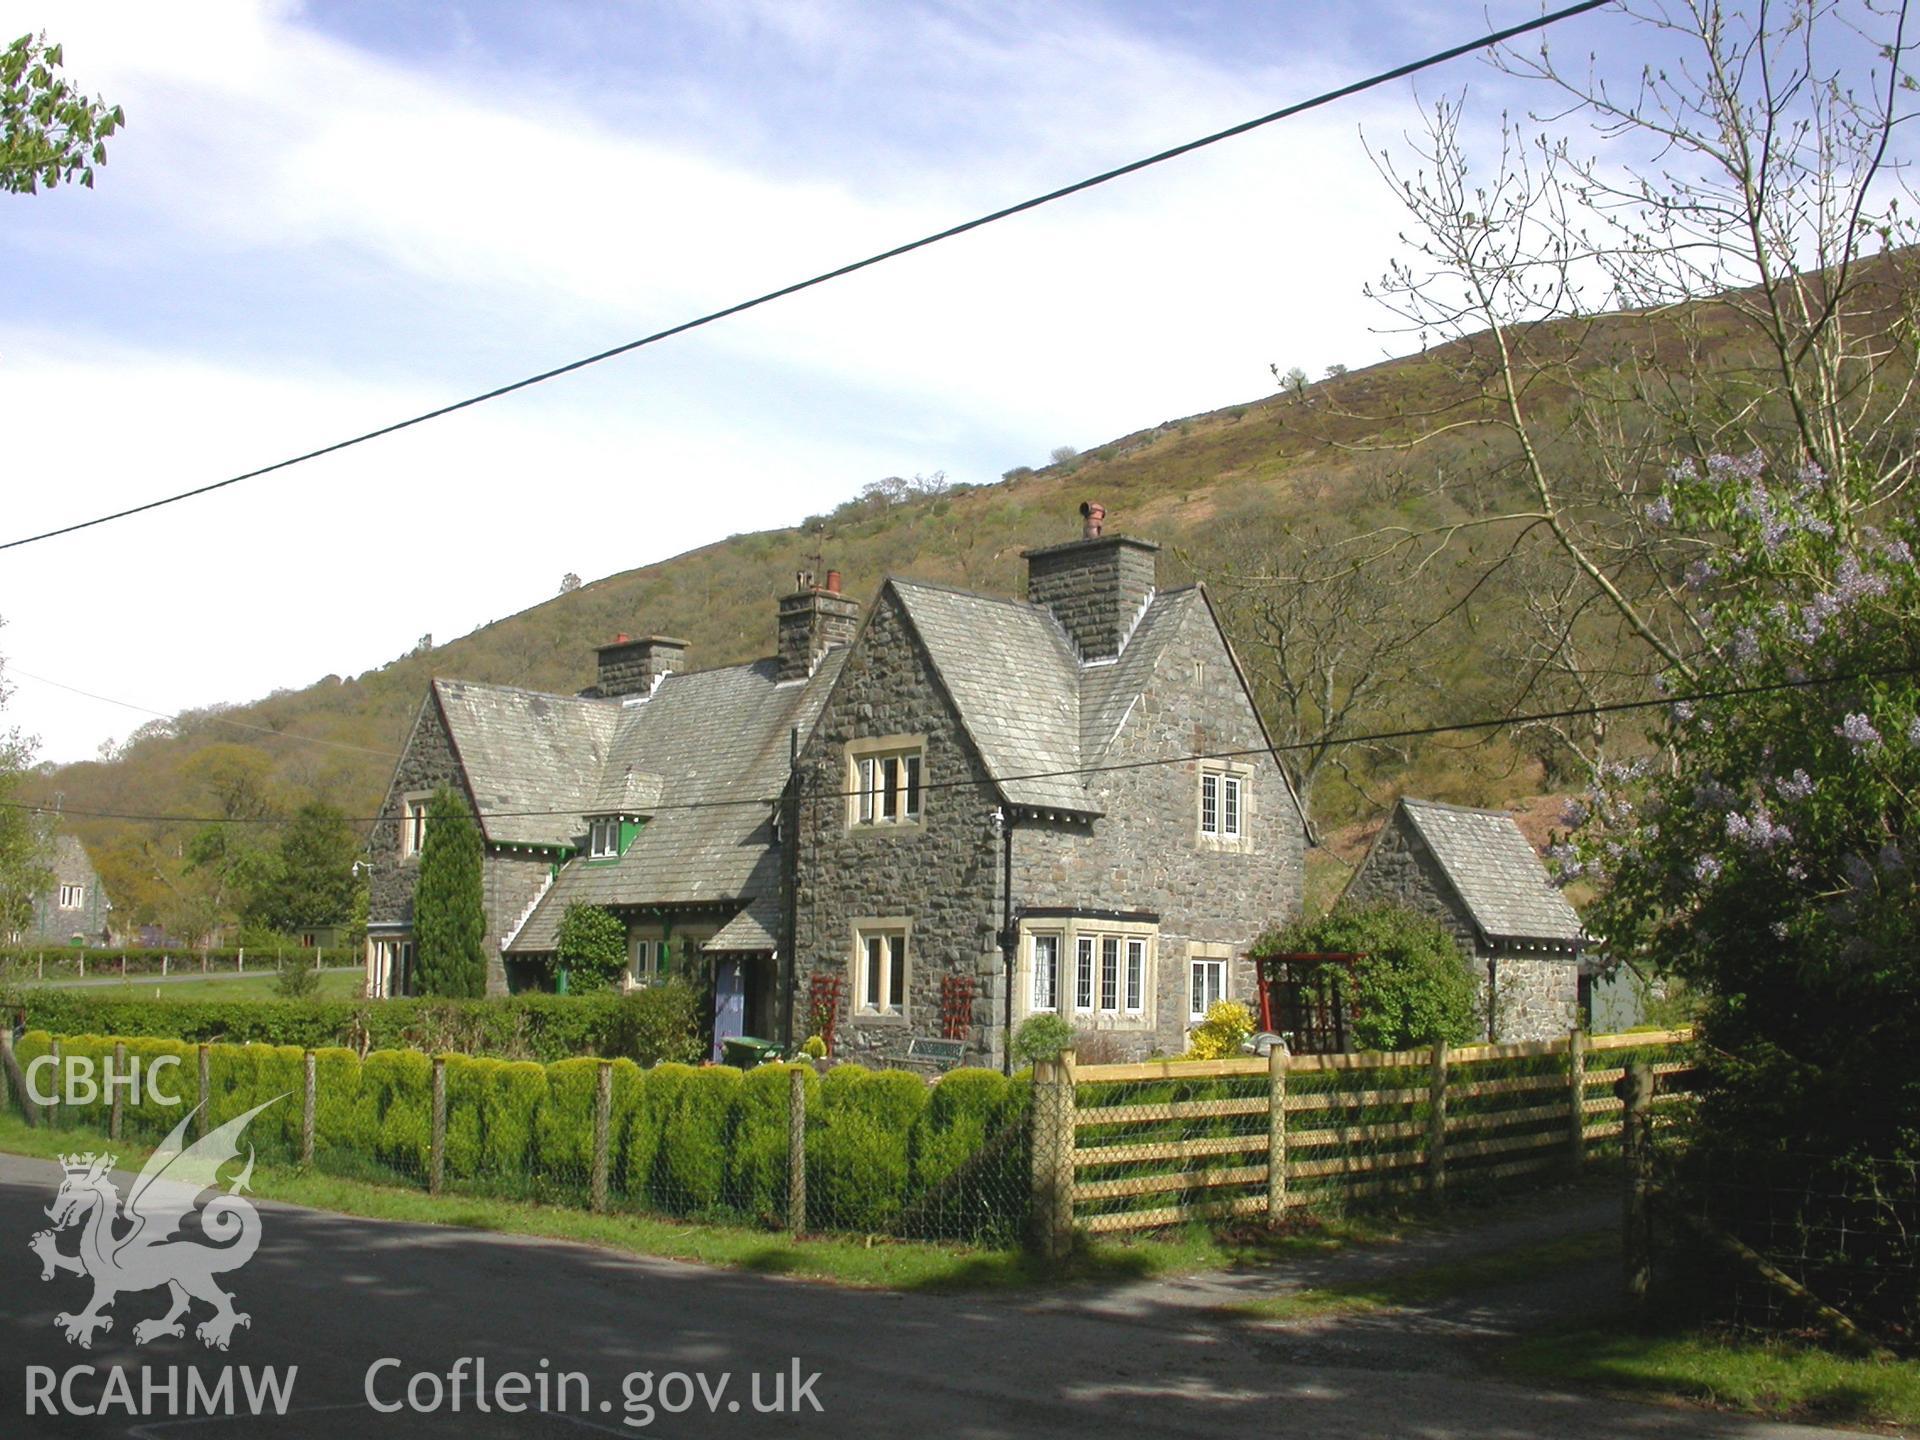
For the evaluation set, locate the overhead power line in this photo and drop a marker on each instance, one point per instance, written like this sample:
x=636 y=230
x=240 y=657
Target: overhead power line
x=1697 y=697
x=1399 y=72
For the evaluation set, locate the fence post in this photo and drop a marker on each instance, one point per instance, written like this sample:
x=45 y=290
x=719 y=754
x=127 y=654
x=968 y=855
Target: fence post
x=1437 y=1120
x=437 y=1155
x=1277 y=1060
x=10 y=1073
x=119 y=1069
x=83 y=964
x=1635 y=1089
x=123 y=964
x=241 y=962
x=797 y=1150
x=1053 y=1126
x=309 y=1104
x=602 y=1132
x=163 y=967
x=39 y=967
x=206 y=1089
x=1577 y=1088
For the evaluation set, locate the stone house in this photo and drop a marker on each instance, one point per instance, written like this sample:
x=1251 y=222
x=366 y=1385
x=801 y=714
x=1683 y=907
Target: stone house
x=1474 y=872
x=74 y=908
x=913 y=827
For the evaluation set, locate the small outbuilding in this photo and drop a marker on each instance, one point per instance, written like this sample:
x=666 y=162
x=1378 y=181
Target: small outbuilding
x=1476 y=873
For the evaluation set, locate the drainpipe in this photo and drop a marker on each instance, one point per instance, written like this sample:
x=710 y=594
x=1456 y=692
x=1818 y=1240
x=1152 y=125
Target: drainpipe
x=1009 y=939
x=1493 y=994
x=784 y=966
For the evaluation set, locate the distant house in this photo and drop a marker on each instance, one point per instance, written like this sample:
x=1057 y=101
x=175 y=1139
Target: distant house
x=74 y=909
x=915 y=826
x=1474 y=872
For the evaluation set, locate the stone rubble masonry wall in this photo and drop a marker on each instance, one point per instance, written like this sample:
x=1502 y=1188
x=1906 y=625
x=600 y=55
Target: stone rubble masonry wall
x=91 y=918
x=507 y=880
x=633 y=667
x=1145 y=853
x=942 y=875
x=812 y=622
x=1535 y=997
x=1095 y=588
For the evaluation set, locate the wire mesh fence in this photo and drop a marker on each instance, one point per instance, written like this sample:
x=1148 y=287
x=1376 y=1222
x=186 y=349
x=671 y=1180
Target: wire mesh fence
x=976 y=1157
x=1784 y=1242
x=778 y=1146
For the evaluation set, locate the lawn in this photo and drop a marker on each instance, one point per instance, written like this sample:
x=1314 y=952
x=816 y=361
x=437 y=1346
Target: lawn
x=334 y=985
x=875 y=1261
x=1776 y=1378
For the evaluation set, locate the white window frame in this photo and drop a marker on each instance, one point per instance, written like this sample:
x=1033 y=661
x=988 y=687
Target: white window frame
x=1106 y=975
x=413 y=823
x=1222 y=809
x=603 y=839
x=72 y=897
x=1211 y=990
x=1044 y=951
x=889 y=940
x=886 y=783
x=643 y=959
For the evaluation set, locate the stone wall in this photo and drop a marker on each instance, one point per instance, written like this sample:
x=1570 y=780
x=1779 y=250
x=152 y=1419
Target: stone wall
x=1145 y=852
x=633 y=667
x=507 y=880
x=90 y=919
x=1401 y=870
x=942 y=875
x=810 y=622
x=1535 y=997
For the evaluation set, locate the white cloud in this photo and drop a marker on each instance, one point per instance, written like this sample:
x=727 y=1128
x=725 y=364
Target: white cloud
x=517 y=226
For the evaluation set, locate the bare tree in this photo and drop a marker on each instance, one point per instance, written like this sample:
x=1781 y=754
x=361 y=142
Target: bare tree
x=1746 y=216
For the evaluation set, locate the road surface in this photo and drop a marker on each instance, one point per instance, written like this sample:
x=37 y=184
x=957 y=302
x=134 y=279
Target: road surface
x=334 y=1295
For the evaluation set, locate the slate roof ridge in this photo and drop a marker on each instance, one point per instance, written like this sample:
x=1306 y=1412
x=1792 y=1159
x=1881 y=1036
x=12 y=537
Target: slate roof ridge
x=1449 y=806
x=494 y=685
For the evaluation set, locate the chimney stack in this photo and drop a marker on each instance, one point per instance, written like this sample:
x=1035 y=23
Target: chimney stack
x=634 y=667
x=813 y=620
x=1097 y=586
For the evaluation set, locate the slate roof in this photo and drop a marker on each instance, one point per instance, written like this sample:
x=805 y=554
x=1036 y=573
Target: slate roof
x=525 y=752
x=713 y=747
x=755 y=928
x=70 y=864
x=1016 y=682
x=1498 y=876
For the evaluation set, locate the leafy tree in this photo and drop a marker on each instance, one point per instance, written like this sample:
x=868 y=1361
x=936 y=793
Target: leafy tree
x=1411 y=985
x=49 y=133
x=25 y=844
x=591 y=947
x=569 y=583
x=449 y=917
x=314 y=883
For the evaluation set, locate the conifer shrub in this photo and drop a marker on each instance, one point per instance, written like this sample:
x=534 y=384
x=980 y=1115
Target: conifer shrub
x=757 y=1157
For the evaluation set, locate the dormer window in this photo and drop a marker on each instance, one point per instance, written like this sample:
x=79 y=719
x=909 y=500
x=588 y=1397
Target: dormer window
x=603 y=839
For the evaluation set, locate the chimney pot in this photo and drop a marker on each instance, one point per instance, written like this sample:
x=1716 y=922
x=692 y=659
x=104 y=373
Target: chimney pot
x=813 y=620
x=1096 y=517
x=1097 y=586
x=833 y=582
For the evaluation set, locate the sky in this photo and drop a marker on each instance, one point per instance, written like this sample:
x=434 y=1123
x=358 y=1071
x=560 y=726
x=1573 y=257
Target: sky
x=325 y=217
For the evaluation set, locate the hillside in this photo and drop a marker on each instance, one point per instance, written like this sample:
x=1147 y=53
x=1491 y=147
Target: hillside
x=1201 y=486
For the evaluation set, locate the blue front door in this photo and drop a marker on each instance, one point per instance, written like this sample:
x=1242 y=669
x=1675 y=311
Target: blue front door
x=729 y=1002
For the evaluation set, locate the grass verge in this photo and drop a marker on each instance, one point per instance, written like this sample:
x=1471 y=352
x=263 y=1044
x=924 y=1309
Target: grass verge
x=334 y=985
x=873 y=1261
x=1427 y=1283
x=1775 y=1378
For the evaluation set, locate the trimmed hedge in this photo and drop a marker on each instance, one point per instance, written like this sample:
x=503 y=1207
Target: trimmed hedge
x=647 y=1025
x=886 y=1152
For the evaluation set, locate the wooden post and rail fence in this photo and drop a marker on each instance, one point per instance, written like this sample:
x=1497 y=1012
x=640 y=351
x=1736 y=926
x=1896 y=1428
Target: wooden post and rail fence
x=1132 y=1147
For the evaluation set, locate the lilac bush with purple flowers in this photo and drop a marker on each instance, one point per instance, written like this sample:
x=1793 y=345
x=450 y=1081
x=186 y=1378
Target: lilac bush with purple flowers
x=1766 y=863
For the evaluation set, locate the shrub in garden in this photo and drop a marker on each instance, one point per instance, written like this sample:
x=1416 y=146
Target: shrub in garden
x=757 y=1155
x=1228 y=1026
x=857 y=1156
x=470 y=1080
x=591 y=947
x=658 y=1022
x=393 y=1115
x=688 y=1109
x=564 y=1127
x=336 y=1080
x=1411 y=985
x=449 y=918
x=509 y=1117
x=968 y=1156
x=1041 y=1037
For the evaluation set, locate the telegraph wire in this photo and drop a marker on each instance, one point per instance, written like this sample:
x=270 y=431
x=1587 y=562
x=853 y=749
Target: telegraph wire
x=1698 y=697
x=1438 y=57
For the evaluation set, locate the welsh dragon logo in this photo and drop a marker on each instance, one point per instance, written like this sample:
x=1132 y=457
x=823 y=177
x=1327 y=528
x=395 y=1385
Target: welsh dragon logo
x=133 y=1247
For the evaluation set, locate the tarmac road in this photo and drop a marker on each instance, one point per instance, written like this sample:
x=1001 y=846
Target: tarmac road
x=333 y=1295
